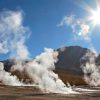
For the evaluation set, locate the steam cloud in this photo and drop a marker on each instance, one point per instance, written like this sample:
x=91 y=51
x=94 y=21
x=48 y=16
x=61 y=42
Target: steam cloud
x=40 y=70
x=91 y=69
x=13 y=34
x=7 y=79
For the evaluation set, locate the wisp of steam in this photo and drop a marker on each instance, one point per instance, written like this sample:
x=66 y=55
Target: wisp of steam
x=40 y=70
x=91 y=69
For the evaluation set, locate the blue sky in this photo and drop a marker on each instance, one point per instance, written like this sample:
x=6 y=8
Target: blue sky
x=43 y=16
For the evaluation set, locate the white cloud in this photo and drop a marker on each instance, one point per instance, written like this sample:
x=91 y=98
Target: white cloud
x=67 y=20
x=78 y=26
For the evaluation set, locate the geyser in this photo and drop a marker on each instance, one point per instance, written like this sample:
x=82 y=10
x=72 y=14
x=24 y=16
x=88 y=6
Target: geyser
x=40 y=70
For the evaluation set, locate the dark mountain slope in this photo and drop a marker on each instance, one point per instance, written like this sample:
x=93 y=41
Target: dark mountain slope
x=70 y=58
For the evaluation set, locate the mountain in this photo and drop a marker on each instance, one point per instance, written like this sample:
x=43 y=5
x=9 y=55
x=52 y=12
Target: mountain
x=68 y=65
x=70 y=58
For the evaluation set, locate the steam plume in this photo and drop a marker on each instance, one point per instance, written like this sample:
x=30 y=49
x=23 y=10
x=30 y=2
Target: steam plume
x=7 y=79
x=13 y=34
x=91 y=69
x=40 y=70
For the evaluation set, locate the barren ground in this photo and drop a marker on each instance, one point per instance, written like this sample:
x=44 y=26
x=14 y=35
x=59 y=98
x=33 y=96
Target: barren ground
x=32 y=93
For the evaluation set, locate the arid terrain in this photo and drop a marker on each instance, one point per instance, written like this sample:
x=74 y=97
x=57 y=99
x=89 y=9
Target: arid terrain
x=32 y=93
